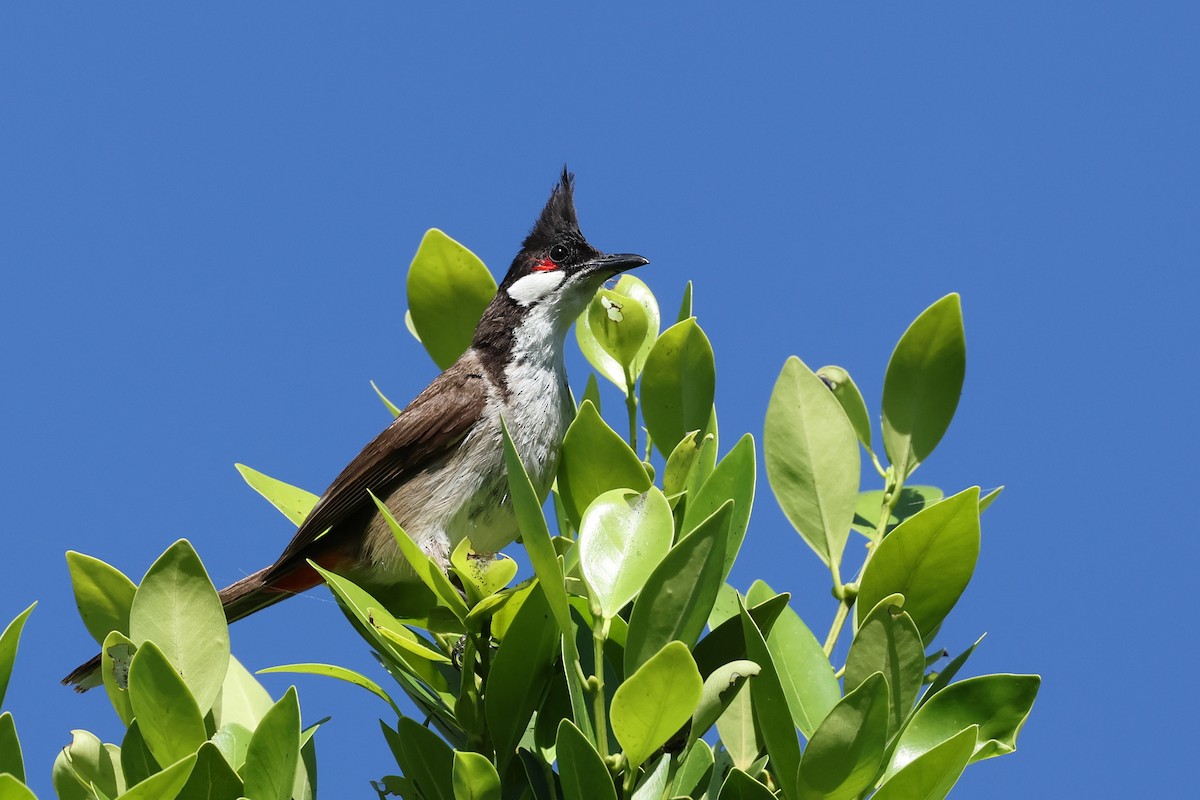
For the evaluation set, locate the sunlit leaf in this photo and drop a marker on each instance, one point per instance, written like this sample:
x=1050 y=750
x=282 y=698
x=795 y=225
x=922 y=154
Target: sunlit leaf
x=340 y=673
x=931 y=775
x=293 y=502
x=732 y=479
x=846 y=392
x=211 y=777
x=116 y=656
x=11 y=788
x=654 y=702
x=164 y=785
x=737 y=730
x=10 y=748
x=740 y=786
x=923 y=382
x=274 y=751
x=622 y=537
x=103 y=595
x=888 y=642
x=594 y=460
x=771 y=707
x=170 y=719
x=949 y=671
x=845 y=752
x=8 y=648
x=448 y=289
x=912 y=500
x=618 y=328
x=474 y=777
x=693 y=772
x=392 y=408
x=678 y=385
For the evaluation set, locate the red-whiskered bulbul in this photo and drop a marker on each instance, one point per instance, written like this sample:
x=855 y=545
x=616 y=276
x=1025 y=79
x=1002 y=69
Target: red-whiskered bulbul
x=439 y=467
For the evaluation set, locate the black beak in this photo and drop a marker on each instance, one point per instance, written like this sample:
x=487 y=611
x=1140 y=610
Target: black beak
x=614 y=263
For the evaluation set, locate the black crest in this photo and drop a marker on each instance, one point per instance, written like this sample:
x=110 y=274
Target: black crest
x=557 y=220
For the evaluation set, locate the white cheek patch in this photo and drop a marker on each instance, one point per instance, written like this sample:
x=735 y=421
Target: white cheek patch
x=535 y=286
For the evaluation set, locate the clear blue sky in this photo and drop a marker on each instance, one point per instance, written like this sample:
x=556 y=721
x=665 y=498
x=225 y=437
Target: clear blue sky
x=207 y=212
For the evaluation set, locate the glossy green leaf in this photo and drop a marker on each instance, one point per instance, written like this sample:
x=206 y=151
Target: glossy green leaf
x=804 y=671
x=845 y=752
x=812 y=460
x=737 y=730
x=732 y=479
x=291 y=501
x=427 y=761
x=535 y=535
x=116 y=656
x=928 y=558
x=11 y=788
x=594 y=460
x=740 y=786
x=482 y=574
x=429 y=571
x=8 y=648
x=998 y=704
x=771 y=707
x=685 y=305
x=923 y=382
x=888 y=642
x=474 y=777
x=654 y=702
x=448 y=289
x=10 y=748
x=274 y=751
x=165 y=785
x=678 y=595
x=211 y=777
x=392 y=408
x=137 y=762
x=583 y=774
x=618 y=328
x=339 y=673
x=520 y=670
x=694 y=772
x=912 y=500
x=727 y=641
x=242 y=699
x=678 y=385
x=719 y=690
x=931 y=775
x=622 y=537
x=178 y=609
x=947 y=674
x=103 y=595
x=846 y=392
x=171 y=722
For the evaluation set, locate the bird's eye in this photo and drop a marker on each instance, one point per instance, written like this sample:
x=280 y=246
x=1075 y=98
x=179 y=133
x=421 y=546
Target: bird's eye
x=559 y=253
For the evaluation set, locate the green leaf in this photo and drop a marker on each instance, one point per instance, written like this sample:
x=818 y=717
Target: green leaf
x=846 y=392
x=535 y=535
x=888 y=642
x=8 y=648
x=998 y=704
x=583 y=774
x=719 y=691
x=727 y=641
x=679 y=594
x=233 y=740
x=165 y=785
x=912 y=500
x=623 y=536
x=989 y=498
x=740 y=786
x=594 y=460
x=427 y=761
x=678 y=385
x=397 y=634
x=654 y=702
x=178 y=609
x=737 y=730
x=931 y=775
x=448 y=289
x=10 y=748
x=685 y=305
x=167 y=713
x=429 y=571
x=293 y=502
x=695 y=770
x=482 y=574
x=116 y=656
x=137 y=762
x=474 y=777
x=274 y=751
x=771 y=707
x=392 y=408
x=724 y=607
x=519 y=673
x=928 y=558
x=591 y=391
x=805 y=674
x=732 y=479
x=679 y=466
x=339 y=673
x=242 y=699
x=102 y=593
x=923 y=382
x=11 y=788
x=845 y=752
x=211 y=777
x=946 y=675
x=654 y=782
x=812 y=460
x=618 y=328
x=67 y=784
x=94 y=763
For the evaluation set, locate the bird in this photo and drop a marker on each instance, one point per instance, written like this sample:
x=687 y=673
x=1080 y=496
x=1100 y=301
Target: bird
x=439 y=466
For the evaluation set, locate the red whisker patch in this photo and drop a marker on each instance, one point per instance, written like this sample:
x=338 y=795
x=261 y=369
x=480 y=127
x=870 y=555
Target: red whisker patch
x=545 y=265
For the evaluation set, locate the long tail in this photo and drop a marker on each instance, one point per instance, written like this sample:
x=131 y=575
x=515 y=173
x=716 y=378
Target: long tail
x=241 y=599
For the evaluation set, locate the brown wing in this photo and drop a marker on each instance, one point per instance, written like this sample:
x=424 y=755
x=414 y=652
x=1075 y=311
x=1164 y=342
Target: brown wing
x=428 y=427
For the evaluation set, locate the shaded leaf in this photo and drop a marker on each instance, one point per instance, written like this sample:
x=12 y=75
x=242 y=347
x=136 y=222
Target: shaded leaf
x=845 y=752
x=728 y=642
x=274 y=751
x=946 y=675
x=740 y=786
x=427 y=761
x=211 y=777
x=888 y=642
x=165 y=785
x=11 y=760
x=474 y=777
x=448 y=289
x=912 y=500
x=718 y=692
x=846 y=392
x=694 y=772
x=583 y=774
x=654 y=782
x=771 y=708
x=137 y=762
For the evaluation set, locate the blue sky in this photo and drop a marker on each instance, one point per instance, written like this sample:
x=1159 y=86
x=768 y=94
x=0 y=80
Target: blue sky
x=207 y=212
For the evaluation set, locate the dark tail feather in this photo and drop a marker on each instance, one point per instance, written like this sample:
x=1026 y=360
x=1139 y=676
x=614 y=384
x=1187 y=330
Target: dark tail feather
x=239 y=599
